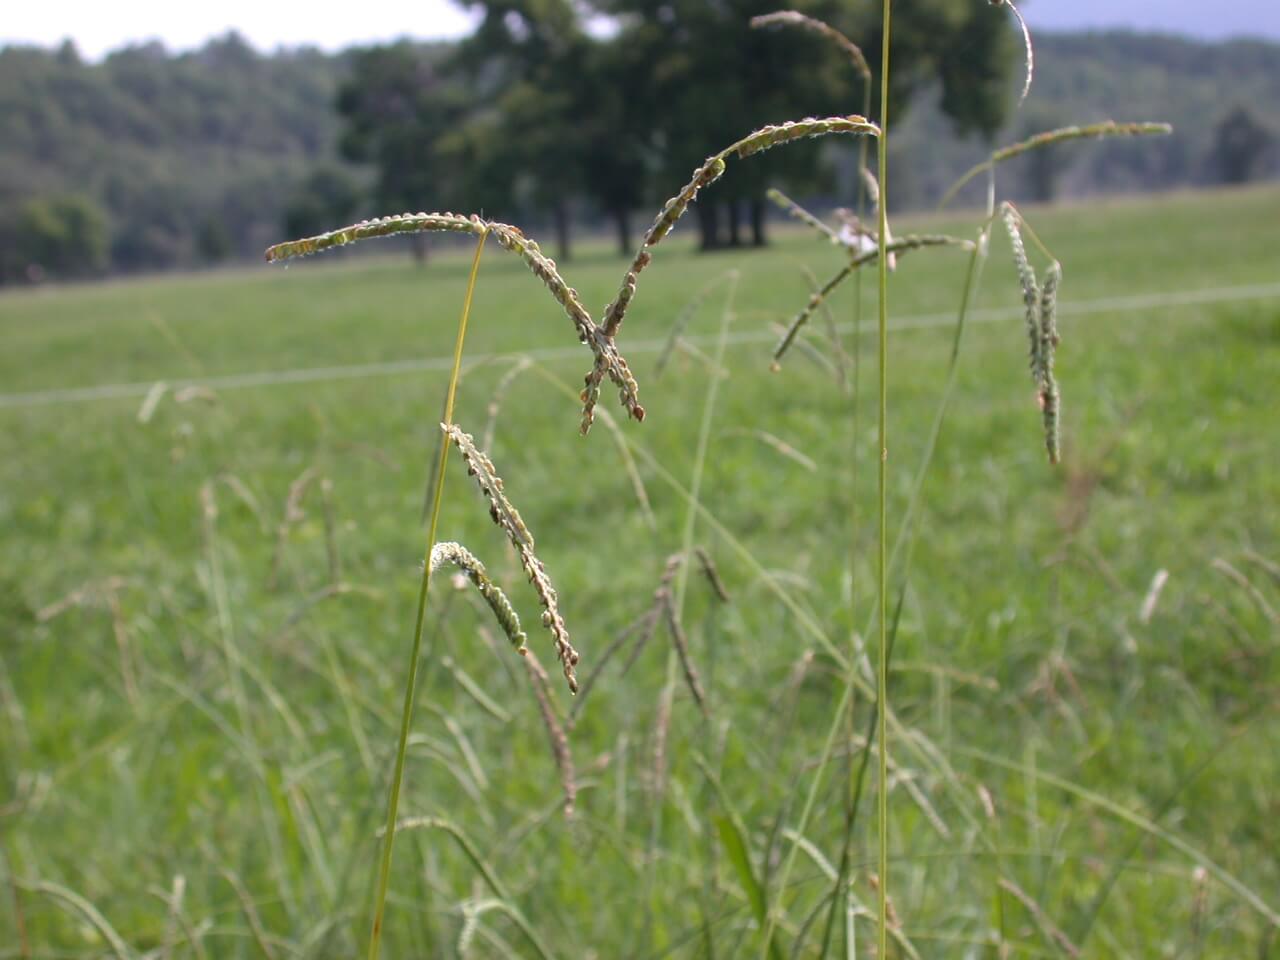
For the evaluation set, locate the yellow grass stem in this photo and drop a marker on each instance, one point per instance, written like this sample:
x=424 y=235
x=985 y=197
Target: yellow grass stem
x=406 y=715
x=882 y=692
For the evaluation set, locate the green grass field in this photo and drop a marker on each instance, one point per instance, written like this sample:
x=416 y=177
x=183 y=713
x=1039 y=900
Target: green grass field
x=198 y=711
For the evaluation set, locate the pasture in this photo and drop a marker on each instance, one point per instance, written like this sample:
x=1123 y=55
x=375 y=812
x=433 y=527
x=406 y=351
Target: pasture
x=200 y=674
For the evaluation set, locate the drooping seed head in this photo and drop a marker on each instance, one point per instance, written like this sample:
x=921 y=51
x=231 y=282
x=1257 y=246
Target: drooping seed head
x=459 y=556
x=508 y=519
x=608 y=361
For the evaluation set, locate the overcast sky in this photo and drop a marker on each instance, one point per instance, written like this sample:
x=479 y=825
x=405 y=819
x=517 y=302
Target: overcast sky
x=97 y=27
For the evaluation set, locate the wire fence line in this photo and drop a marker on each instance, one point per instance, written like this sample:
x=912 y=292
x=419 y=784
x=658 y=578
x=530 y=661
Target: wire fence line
x=1135 y=303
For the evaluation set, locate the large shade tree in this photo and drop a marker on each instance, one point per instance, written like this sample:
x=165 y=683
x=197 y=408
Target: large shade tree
x=709 y=78
x=535 y=111
x=398 y=104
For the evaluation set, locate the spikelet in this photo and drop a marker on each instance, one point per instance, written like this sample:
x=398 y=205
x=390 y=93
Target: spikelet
x=797 y=212
x=681 y=643
x=796 y=19
x=711 y=170
x=872 y=186
x=900 y=245
x=712 y=574
x=1030 y=288
x=508 y=518
x=1107 y=128
x=1050 y=401
x=1042 y=329
x=555 y=733
x=608 y=361
x=708 y=173
x=768 y=137
x=544 y=268
x=462 y=558
x=377 y=227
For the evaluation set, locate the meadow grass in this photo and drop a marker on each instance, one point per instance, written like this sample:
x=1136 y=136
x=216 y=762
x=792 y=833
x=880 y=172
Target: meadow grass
x=182 y=717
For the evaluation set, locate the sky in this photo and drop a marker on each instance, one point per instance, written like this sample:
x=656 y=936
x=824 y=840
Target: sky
x=98 y=27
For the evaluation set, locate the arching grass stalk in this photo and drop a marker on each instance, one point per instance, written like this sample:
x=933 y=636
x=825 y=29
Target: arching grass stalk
x=882 y=741
x=841 y=893
x=1108 y=128
x=406 y=714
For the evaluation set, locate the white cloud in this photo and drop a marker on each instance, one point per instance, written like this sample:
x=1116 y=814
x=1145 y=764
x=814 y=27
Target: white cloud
x=98 y=27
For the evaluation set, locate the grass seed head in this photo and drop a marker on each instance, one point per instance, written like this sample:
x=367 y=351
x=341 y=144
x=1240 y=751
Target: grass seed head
x=1030 y=287
x=508 y=519
x=462 y=558
x=708 y=173
x=1050 y=400
x=608 y=361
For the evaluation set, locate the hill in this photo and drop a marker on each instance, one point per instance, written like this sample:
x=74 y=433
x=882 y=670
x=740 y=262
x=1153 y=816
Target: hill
x=1087 y=77
x=188 y=158
x=150 y=160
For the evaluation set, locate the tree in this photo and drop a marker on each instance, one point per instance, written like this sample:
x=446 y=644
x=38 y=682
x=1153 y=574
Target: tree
x=1042 y=169
x=398 y=105
x=614 y=163
x=329 y=196
x=711 y=78
x=530 y=63
x=63 y=236
x=1239 y=144
x=700 y=77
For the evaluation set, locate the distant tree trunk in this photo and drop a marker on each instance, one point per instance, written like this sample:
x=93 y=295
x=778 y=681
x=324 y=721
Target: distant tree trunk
x=419 y=248
x=622 y=219
x=1240 y=143
x=561 y=214
x=758 y=237
x=735 y=224
x=1043 y=174
x=708 y=225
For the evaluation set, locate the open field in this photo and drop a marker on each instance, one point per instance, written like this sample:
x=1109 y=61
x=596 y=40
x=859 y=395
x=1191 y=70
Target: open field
x=198 y=701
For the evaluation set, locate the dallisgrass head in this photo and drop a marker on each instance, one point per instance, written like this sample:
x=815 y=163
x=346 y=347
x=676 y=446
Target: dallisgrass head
x=508 y=519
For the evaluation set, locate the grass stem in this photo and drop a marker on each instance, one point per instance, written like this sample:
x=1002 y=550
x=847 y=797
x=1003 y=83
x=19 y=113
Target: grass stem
x=406 y=714
x=882 y=741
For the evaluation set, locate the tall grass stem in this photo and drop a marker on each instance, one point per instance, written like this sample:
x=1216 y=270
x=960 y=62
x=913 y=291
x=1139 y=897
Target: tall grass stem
x=406 y=714
x=882 y=741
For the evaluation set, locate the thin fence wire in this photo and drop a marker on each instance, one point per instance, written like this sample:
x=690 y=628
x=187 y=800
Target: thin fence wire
x=1135 y=303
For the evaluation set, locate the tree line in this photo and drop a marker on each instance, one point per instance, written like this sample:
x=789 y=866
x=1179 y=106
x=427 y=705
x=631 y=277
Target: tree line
x=554 y=113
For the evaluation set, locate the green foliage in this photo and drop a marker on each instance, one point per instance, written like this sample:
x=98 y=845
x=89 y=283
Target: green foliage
x=60 y=236
x=396 y=105
x=328 y=196
x=533 y=63
x=699 y=76
x=1240 y=145
x=1022 y=620
x=192 y=156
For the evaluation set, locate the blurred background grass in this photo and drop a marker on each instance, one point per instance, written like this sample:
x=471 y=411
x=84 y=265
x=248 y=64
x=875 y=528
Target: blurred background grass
x=182 y=715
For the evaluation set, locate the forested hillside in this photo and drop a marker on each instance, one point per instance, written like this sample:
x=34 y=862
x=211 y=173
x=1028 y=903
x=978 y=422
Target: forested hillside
x=161 y=160
x=1223 y=100
x=151 y=160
